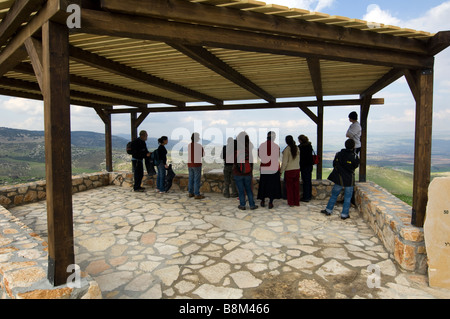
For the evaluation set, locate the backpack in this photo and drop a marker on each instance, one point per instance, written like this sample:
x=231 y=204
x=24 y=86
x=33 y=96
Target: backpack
x=129 y=149
x=154 y=157
x=244 y=168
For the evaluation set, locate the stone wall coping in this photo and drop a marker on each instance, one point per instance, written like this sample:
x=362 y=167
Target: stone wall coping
x=390 y=218
x=24 y=264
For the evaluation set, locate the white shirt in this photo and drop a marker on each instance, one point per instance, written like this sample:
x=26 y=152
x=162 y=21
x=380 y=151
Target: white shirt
x=354 y=132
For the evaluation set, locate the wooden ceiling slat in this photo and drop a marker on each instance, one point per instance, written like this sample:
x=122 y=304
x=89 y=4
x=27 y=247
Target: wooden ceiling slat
x=279 y=75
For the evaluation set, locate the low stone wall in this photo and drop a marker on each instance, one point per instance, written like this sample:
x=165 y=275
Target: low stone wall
x=390 y=218
x=210 y=183
x=24 y=264
x=21 y=194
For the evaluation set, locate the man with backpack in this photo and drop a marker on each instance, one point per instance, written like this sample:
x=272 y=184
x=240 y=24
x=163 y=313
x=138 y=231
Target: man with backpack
x=139 y=152
x=343 y=177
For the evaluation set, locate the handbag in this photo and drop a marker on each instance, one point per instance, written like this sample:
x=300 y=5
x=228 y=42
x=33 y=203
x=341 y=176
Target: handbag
x=315 y=158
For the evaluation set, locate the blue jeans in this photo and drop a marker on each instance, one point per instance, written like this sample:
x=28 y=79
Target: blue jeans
x=161 y=178
x=195 y=174
x=348 y=192
x=244 y=185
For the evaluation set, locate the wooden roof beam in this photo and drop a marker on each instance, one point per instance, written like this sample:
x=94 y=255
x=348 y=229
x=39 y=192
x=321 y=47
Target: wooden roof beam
x=99 y=62
x=209 y=60
x=107 y=87
x=439 y=42
x=302 y=105
x=314 y=70
x=14 y=50
x=186 y=11
x=135 y=27
x=39 y=97
x=31 y=86
x=389 y=78
x=19 y=13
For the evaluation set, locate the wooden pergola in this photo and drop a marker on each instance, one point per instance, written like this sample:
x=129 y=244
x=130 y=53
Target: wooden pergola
x=184 y=56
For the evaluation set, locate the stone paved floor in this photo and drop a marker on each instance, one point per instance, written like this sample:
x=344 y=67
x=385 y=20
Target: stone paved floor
x=147 y=245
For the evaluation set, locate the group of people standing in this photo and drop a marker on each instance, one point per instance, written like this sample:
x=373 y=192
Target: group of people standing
x=141 y=156
x=296 y=161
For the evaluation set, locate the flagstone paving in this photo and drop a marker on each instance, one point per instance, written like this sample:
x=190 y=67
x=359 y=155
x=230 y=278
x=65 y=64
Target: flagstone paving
x=150 y=245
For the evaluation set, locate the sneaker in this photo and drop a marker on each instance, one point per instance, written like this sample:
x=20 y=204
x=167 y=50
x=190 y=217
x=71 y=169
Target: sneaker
x=254 y=207
x=345 y=217
x=199 y=196
x=324 y=211
x=241 y=207
x=191 y=195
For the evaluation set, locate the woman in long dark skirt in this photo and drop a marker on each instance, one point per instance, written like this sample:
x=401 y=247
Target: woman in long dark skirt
x=269 y=182
x=306 y=166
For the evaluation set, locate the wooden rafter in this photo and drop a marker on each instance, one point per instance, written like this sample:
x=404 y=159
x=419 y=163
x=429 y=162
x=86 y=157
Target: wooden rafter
x=300 y=104
x=439 y=42
x=212 y=62
x=389 y=78
x=314 y=70
x=25 y=68
x=15 y=51
x=19 y=13
x=186 y=11
x=99 y=62
x=31 y=86
x=39 y=97
x=116 y=24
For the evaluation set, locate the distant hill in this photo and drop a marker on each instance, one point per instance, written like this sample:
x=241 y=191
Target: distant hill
x=78 y=138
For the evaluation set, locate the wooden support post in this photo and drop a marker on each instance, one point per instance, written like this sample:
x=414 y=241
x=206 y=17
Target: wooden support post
x=106 y=118
x=423 y=87
x=136 y=121
x=108 y=143
x=55 y=53
x=134 y=133
x=365 y=107
x=319 y=142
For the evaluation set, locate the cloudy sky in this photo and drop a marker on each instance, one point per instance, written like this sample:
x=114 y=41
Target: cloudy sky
x=395 y=117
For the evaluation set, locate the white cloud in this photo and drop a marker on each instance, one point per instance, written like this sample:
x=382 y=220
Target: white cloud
x=376 y=14
x=442 y=115
x=323 y=4
x=218 y=122
x=35 y=123
x=23 y=106
x=436 y=19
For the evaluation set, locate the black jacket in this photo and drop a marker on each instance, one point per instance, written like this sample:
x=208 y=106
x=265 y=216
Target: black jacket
x=345 y=162
x=162 y=153
x=306 y=159
x=139 y=149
